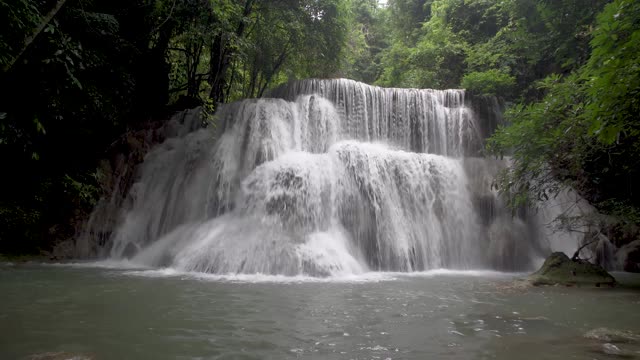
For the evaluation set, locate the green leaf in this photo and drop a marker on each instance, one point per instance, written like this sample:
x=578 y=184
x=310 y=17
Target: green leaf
x=39 y=126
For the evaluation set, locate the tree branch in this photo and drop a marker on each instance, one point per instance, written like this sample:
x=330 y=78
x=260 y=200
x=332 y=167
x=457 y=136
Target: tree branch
x=576 y=255
x=167 y=19
x=28 y=41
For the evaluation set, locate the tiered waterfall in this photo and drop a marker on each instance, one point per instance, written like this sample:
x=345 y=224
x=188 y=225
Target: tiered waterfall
x=324 y=177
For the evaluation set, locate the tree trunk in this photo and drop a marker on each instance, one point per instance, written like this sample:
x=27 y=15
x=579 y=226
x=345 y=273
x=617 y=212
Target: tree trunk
x=276 y=67
x=221 y=56
x=193 y=56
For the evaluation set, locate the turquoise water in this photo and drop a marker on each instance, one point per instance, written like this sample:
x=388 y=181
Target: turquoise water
x=110 y=313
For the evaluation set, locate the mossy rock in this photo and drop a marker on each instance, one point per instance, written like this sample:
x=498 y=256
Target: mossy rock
x=558 y=269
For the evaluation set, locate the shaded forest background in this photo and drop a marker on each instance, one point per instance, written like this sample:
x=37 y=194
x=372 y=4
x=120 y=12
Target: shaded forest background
x=77 y=74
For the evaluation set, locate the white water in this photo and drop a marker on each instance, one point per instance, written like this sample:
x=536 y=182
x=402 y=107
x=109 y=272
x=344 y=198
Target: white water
x=420 y=120
x=344 y=180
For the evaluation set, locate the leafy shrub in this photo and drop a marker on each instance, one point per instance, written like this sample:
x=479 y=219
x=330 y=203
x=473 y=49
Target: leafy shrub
x=491 y=82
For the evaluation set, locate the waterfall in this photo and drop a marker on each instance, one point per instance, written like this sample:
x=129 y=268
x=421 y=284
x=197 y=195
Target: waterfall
x=429 y=121
x=324 y=177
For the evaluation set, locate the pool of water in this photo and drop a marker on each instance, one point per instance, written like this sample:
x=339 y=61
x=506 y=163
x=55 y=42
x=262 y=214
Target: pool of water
x=112 y=313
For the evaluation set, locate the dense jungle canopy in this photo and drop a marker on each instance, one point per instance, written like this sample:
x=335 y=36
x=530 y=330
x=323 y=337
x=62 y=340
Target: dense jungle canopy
x=77 y=74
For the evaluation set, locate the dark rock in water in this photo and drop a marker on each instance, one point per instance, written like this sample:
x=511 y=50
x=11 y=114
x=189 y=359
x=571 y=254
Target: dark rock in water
x=130 y=251
x=614 y=351
x=612 y=335
x=558 y=269
x=60 y=356
x=611 y=349
x=617 y=343
x=63 y=250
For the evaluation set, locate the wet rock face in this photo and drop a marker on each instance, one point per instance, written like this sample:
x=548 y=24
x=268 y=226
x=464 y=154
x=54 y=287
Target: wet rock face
x=629 y=257
x=558 y=269
x=118 y=173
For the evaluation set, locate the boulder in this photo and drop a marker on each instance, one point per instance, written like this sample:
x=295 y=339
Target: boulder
x=629 y=256
x=558 y=269
x=63 y=250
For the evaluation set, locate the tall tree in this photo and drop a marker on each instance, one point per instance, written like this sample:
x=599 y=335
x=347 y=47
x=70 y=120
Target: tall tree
x=584 y=133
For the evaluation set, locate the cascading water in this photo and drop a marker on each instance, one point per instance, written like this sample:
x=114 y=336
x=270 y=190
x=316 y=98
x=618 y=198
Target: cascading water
x=328 y=177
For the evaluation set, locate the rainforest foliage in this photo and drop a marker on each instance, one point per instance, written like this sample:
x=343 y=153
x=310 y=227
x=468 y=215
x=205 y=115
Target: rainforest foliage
x=76 y=74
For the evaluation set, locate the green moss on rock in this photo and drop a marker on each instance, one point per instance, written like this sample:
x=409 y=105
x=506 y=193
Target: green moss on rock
x=558 y=269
